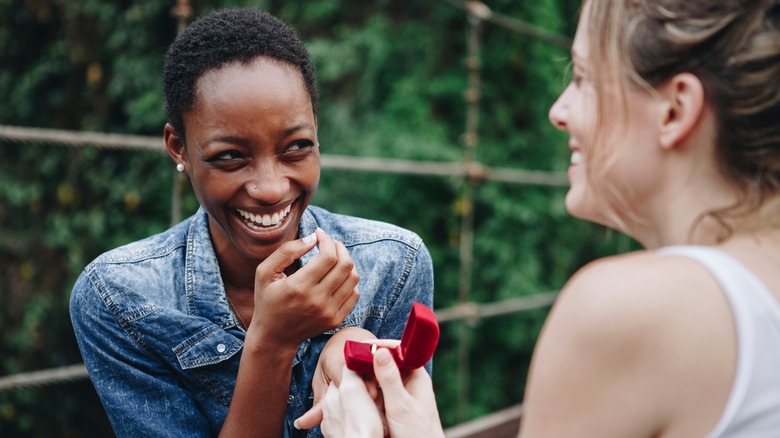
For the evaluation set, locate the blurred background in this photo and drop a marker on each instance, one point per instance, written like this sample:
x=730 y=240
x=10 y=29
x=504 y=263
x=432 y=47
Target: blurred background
x=433 y=117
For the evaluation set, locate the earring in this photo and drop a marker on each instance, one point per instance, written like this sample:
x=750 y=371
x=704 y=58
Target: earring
x=180 y=167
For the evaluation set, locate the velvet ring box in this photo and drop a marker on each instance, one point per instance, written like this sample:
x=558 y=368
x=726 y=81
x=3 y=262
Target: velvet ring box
x=418 y=343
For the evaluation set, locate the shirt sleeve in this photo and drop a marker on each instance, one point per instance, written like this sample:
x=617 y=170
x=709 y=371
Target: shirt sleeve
x=418 y=288
x=142 y=395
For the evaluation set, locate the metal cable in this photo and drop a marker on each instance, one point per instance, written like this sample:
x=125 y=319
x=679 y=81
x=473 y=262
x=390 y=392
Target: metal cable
x=43 y=378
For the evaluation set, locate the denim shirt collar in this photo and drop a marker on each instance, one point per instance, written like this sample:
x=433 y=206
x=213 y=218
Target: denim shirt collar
x=205 y=289
x=206 y=294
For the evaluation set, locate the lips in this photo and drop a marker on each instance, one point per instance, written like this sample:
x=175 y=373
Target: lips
x=263 y=222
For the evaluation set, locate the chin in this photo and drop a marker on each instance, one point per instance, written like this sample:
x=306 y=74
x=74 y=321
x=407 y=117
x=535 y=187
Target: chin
x=581 y=206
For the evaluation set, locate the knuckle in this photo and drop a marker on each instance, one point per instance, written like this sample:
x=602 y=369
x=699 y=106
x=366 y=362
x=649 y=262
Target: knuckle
x=354 y=277
x=329 y=258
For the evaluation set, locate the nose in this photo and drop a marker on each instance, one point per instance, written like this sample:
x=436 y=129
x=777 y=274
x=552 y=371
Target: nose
x=268 y=184
x=559 y=112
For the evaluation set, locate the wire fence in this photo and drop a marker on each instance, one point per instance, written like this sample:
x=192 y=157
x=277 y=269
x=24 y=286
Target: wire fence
x=470 y=170
x=465 y=311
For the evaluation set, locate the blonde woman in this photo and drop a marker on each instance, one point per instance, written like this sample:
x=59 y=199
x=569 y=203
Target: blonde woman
x=673 y=115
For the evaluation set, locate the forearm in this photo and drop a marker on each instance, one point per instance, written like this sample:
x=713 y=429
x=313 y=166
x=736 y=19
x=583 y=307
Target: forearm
x=259 y=401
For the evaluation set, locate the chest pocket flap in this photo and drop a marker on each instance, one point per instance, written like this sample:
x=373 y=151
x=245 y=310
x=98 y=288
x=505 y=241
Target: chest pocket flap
x=209 y=346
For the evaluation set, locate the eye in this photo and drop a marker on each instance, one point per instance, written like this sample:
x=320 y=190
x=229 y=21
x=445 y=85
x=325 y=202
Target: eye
x=575 y=74
x=299 y=148
x=225 y=156
x=226 y=160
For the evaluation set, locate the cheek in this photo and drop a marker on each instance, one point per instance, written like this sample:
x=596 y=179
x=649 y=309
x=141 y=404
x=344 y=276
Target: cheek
x=211 y=191
x=309 y=177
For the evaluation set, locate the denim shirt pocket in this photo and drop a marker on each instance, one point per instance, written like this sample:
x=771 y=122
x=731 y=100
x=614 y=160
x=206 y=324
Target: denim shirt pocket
x=209 y=346
x=209 y=356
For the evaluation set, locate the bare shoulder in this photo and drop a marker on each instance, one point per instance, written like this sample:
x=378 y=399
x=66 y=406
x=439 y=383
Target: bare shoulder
x=657 y=301
x=636 y=288
x=628 y=341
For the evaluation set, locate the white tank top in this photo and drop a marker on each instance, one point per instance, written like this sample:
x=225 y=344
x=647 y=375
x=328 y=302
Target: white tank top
x=753 y=408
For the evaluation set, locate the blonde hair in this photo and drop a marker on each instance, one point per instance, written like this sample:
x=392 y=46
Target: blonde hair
x=732 y=46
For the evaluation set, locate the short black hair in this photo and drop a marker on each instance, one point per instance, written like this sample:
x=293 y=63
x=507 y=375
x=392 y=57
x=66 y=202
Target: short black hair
x=222 y=37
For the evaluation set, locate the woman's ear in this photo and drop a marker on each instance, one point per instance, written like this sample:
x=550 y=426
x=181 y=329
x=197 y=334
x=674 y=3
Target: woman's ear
x=174 y=144
x=682 y=108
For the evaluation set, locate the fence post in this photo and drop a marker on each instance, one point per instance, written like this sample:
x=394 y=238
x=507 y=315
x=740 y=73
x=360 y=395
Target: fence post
x=182 y=12
x=477 y=13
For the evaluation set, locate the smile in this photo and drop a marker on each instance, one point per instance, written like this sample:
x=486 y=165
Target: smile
x=576 y=158
x=263 y=222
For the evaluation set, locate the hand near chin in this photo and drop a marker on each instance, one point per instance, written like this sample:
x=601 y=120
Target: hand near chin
x=318 y=297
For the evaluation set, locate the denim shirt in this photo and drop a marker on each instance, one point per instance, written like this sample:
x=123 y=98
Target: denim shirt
x=162 y=346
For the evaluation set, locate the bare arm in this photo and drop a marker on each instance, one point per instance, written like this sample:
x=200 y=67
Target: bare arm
x=288 y=310
x=592 y=373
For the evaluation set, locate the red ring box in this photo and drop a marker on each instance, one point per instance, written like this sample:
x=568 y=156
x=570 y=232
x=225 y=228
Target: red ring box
x=418 y=343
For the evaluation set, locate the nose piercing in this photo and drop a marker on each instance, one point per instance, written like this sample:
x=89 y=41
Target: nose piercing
x=180 y=167
x=255 y=186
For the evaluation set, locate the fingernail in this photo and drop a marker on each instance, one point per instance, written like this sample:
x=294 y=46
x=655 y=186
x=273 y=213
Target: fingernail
x=383 y=356
x=295 y=425
x=311 y=238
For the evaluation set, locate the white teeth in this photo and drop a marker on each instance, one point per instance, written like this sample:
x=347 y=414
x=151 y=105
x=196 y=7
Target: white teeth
x=260 y=222
x=576 y=157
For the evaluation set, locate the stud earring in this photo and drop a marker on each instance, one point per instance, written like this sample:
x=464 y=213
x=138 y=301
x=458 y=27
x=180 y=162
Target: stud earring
x=180 y=167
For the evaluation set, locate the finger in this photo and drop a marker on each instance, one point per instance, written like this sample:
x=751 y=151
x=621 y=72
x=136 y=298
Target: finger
x=322 y=263
x=332 y=421
x=371 y=386
x=350 y=379
x=287 y=254
x=359 y=410
x=347 y=305
x=387 y=374
x=342 y=276
x=311 y=418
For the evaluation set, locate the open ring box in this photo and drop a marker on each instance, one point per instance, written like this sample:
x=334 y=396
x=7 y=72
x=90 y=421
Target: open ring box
x=418 y=343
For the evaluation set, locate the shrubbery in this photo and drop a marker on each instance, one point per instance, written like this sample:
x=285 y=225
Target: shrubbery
x=392 y=78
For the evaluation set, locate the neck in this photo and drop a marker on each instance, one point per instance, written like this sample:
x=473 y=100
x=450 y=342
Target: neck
x=689 y=219
x=237 y=270
x=680 y=209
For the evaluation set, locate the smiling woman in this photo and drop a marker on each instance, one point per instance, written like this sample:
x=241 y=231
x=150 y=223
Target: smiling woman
x=233 y=322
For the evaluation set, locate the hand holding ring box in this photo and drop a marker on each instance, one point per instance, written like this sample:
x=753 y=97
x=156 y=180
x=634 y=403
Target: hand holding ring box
x=418 y=343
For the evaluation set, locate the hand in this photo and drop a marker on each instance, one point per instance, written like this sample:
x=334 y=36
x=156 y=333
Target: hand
x=349 y=411
x=329 y=370
x=410 y=404
x=316 y=298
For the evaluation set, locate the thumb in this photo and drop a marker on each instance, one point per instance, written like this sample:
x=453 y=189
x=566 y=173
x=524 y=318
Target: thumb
x=387 y=374
x=311 y=418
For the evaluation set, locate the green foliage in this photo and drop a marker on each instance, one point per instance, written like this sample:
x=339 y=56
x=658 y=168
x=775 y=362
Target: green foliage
x=392 y=78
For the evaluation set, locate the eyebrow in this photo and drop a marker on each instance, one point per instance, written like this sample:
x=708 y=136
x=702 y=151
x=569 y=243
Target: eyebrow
x=229 y=139
x=241 y=141
x=293 y=129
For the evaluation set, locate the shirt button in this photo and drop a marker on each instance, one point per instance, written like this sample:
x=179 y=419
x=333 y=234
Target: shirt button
x=290 y=399
x=221 y=348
